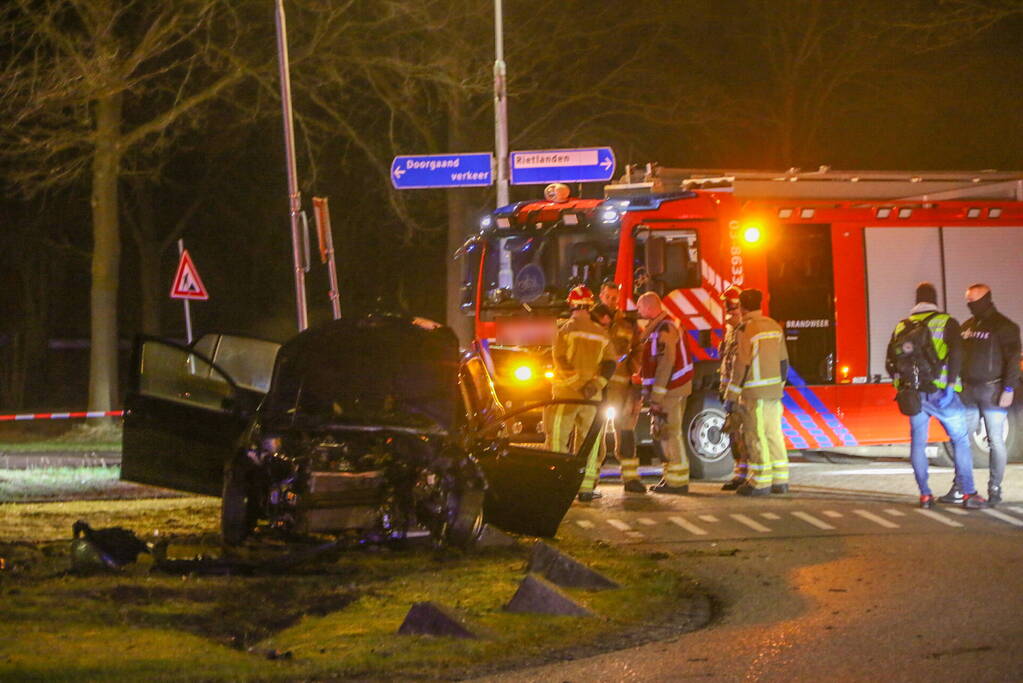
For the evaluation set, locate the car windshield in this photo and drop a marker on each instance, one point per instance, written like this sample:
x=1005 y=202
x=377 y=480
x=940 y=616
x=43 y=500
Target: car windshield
x=539 y=267
x=376 y=372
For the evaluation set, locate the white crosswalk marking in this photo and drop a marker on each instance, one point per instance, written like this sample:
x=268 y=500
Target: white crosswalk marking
x=688 y=526
x=895 y=513
x=634 y=534
x=832 y=513
x=956 y=511
x=1017 y=510
x=752 y=524
x=875 y=519
x=646 y=521
x=584 y=523
x=810 y=519
x=937 y=516
x=619 y=524
x=709 y=518
x=1004 y=517
x=769 y=515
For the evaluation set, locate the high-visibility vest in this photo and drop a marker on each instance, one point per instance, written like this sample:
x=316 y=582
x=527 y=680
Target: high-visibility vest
x=652 y=352
x=936 y=326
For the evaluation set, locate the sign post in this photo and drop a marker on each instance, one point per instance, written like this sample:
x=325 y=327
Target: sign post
x=417 y=172
x=539 y=167
x=187 y=285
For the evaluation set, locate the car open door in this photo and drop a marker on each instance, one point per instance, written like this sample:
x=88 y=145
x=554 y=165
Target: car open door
x=184 y=412
x=529 y=486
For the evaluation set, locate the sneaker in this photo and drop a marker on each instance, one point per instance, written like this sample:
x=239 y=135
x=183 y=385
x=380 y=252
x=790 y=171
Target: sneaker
x=732 y=485
x=779 y=488
x=953 y=497
x=634 y=486
x=747 y=490
x=927 y=502
x=590 y=496
x=663 y=487
x=974 y=501
x=994 y=495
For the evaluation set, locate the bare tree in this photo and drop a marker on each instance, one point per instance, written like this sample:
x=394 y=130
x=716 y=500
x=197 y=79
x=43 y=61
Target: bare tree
x=86 y=84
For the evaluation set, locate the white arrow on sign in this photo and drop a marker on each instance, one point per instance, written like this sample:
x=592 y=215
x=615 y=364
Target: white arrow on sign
x=607 y=163
x=399 y=172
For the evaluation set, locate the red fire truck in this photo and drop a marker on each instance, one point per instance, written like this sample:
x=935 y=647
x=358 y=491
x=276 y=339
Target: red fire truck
x=838 y=255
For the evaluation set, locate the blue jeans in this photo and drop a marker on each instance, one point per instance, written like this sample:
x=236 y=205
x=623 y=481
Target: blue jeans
x=953 y=418
x=994 y=422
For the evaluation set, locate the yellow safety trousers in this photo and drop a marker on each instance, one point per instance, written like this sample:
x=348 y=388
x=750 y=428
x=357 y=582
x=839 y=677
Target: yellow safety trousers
x=676 y=466
x=768 y=459
x=561 y=422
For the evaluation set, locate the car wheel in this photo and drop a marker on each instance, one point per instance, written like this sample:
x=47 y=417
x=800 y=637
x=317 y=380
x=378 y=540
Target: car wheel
x=236 y=519
x=449 y=501
x=707 y=446
x=979 y=448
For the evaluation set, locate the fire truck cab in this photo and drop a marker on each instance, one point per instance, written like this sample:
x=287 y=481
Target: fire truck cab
x=837 y=254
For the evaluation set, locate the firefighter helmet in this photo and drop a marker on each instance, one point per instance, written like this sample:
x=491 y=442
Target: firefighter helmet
x=580 y=297
x=730 y=297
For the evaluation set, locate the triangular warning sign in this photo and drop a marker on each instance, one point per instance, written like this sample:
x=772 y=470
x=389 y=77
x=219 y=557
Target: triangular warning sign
x=187 y=283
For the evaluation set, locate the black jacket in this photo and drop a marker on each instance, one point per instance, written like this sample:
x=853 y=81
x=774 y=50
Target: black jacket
x=991 y=354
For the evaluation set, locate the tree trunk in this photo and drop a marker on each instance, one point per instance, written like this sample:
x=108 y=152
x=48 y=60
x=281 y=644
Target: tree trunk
x=106 y=255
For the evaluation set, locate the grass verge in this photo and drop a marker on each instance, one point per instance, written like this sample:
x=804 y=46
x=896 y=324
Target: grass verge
x=336 y=619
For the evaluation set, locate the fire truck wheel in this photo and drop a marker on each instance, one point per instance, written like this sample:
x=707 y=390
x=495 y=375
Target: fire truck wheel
x=979 y=445
x=707 y=446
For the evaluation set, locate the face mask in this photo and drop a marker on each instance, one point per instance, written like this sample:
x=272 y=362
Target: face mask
x=981 y=306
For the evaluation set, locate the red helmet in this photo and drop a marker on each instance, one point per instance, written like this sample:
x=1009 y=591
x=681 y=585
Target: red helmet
x=730 y=297
x=580 y=297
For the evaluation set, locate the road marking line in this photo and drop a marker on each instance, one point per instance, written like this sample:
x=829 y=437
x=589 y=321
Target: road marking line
x=584 y=523
x=895 y=513
x=810 y=519
x=769 y=515
x=938 y=517
x=1004 y=517
x=1017 y=510
x=957 y=511
x=709 y=518
x=752 y=524
x=634 y=534
x=832 y=514
x=647 y=521
x=875 y=519
x=688 y=526
x=619 y=524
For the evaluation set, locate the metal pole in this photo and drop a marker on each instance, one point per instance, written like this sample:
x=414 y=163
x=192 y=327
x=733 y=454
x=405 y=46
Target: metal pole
x=327 y=250
x=294 y=198
x=500 y=106
x=188 y=311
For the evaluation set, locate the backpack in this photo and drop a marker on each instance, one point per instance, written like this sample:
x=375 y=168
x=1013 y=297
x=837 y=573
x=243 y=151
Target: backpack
x=912 y=357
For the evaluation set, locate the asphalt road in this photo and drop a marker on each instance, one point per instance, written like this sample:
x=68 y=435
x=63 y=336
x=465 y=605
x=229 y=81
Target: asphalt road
x=842 y=579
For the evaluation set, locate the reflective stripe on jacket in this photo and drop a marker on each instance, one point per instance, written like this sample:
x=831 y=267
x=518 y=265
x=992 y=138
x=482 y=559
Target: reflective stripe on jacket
x=580 y=346
x=664 y=362
x=937 y=324
x=756 y=372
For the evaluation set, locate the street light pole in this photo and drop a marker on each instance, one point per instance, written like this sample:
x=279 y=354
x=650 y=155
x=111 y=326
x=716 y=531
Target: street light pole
x=294 y=197
x=500 y=106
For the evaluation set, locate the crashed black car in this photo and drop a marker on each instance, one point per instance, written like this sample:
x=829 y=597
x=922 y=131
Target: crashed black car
x=366 y=427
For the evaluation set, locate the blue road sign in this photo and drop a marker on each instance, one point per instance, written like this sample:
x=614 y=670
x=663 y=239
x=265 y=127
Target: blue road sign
x=596 y=164
x=442 y=170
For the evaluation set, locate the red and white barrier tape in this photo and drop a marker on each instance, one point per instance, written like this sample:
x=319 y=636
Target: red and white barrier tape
x=61 y=416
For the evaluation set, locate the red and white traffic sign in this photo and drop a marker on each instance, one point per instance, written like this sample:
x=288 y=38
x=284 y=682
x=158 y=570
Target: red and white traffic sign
x=187 y=283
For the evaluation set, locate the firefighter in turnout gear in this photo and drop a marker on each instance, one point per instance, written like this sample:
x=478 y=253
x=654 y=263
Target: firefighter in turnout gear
x=623 y=397
x=755 y=388
x=666 y=375
x=583 y=363
x=733 y=421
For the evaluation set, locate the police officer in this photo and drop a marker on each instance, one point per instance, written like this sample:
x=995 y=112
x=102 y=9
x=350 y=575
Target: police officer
x=991 y=352
x=943 y=402
x=666 y=375
x=727 y=351
x=755 y=388
x=623 y=397
x=583 y=362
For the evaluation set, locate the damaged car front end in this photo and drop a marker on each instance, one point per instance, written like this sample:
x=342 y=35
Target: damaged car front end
x=366 y=427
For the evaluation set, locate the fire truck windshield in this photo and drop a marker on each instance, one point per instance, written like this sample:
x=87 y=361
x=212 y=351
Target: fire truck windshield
x=538 y=268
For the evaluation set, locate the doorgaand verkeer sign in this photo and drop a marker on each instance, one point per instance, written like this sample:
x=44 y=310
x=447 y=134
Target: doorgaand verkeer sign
x=543 y=166
x=413 y=172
